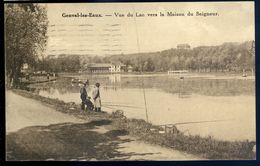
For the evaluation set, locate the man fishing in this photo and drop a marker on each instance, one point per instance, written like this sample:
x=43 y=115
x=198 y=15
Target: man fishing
x=96 y=98
x=84 y=97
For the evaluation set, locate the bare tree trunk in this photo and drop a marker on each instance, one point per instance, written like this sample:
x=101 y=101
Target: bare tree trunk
x=16 y=73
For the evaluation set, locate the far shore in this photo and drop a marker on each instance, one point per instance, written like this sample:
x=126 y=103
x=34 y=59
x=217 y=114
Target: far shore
x=204 y=75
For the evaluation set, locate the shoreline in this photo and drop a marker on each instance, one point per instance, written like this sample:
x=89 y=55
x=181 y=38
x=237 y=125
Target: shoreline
x=37 y=81
x=206 y=147
x=191 y=75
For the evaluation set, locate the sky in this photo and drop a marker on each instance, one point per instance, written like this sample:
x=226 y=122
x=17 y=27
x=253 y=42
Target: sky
x=109 y=34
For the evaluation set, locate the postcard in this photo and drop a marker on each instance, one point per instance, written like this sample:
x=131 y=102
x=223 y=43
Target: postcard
x=130 y=81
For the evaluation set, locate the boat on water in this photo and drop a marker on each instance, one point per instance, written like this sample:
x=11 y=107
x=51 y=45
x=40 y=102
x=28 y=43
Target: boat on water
x=76 y=81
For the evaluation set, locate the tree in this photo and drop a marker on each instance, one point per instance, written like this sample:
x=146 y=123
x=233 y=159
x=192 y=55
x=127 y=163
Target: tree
x=149 y=65
x=25 y=37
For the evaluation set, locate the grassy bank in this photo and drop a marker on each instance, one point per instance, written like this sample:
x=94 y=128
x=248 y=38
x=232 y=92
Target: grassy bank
x=205 y=147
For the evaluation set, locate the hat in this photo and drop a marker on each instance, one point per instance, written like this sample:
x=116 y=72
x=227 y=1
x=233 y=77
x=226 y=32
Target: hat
x=87 y=82
x=97 y=84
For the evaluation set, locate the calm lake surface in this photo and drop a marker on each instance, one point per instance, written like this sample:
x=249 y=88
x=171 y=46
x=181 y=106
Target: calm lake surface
x=170 y=100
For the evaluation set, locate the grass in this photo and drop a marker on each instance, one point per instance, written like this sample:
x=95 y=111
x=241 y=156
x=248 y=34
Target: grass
x=208 y=147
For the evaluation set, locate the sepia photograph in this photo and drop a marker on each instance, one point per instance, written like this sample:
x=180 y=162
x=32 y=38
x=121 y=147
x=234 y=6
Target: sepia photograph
x=172 y=81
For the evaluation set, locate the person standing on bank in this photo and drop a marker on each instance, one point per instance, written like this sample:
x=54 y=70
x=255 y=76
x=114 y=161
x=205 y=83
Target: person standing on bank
x=84 y=95
x=96 y=98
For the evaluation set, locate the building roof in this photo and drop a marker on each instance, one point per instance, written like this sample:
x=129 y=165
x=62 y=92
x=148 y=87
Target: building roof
x=100 y=65
x=183 y=45
x=104 y=64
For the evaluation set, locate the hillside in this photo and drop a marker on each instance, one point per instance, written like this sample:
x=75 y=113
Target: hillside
x=225 y=57
x=228 y=56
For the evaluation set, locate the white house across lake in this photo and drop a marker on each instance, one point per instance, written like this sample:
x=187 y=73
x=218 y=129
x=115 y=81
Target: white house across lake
x=105 y=68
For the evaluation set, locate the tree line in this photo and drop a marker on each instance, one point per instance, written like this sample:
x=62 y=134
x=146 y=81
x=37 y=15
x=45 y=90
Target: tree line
x=226 y=57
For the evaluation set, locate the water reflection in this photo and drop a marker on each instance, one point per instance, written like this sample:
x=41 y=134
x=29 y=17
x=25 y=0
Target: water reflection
x=183 y=87
x=183 y=91
x=114 y=78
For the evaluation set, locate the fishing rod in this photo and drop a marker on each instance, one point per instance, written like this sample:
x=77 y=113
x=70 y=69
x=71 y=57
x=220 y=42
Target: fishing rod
x=192 y=122
x=122 y=106
x=138 y=47
x=108 y=102
x=108 y=107
x=146 y=113
x=112 y=108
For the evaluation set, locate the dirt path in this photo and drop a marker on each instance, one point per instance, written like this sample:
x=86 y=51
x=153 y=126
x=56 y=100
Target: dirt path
x=38 y=132
x=23 y=112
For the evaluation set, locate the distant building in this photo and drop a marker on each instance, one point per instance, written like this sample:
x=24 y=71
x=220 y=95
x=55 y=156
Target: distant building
x=116 y=68
x=98 y=68
x=130 y=68
x=177 y=72
x=26 y=68
x=105 y=68
x=183 y=46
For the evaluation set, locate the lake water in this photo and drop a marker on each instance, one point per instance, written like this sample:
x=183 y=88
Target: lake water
x=229 y=101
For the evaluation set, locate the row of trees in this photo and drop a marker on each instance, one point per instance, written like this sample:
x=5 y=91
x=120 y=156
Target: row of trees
x=225 y=57
x=62 y=63
x=67 y=63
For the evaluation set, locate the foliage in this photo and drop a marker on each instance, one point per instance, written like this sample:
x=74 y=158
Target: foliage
x=25 y=36
x=61 y=64
x=68 y=62
x=225 y=57
x=207 y=147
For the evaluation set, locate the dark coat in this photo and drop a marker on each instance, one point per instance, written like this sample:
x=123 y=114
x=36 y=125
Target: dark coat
x=83 y=93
